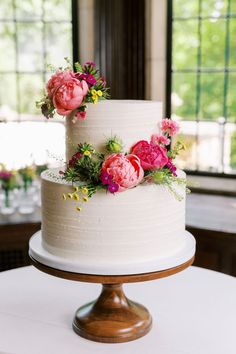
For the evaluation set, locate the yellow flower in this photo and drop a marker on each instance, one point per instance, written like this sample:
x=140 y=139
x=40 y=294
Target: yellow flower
x=95 y=99
x=84 y=190
x=85 y=199
x=99 y=93
x=76 y=189
x=70 y=195
x=64 y=196
x=78 y=209
x=87 y=153
x=76 y=196
x=94 y=92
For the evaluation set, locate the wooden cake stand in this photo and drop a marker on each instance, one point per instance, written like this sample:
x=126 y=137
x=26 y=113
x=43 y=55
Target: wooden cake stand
x=112 y=318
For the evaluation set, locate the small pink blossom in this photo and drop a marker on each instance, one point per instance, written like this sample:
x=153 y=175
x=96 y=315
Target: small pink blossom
x=69 y=96
x=169 y=126
x=90 y=63
x=81 y=115
x=125 y=171
x=160 y=139
x=58 y=79
x=151 y=156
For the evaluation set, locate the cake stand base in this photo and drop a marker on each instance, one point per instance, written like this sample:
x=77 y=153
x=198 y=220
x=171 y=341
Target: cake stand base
x=112 y=318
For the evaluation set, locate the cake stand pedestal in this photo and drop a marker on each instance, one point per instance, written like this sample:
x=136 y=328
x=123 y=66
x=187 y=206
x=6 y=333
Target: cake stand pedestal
x=112 y=318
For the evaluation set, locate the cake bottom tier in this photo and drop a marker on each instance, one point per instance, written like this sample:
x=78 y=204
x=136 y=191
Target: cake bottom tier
x=40 y=254
x=140 y=225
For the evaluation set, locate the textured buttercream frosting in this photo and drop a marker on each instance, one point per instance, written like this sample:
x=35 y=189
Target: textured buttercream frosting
x=143 y=223
x=130 y=120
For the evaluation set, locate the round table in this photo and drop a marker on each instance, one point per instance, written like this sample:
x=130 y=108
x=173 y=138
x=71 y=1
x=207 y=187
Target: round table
x=194 y=312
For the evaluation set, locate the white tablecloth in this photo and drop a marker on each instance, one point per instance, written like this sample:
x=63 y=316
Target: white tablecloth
x=194 y=312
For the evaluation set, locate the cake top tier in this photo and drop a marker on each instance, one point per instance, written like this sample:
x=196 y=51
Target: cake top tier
x=130 y=120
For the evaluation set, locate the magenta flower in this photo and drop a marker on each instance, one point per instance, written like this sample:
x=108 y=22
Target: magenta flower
x=113 y=187
x=171 y=167
x=151 y=156
x=74 y=159
x=81 y=115
x=169 y=127
x=105 y=178
x=90 y=63
x=90 y=79
x=5 y=175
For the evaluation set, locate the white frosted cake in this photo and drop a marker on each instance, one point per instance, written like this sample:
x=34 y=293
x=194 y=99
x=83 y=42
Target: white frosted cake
x=128 y=232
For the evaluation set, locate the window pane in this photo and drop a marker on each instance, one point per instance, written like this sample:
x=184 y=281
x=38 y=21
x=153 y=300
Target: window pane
x=213 y=43
x=183 y=95
x=231 y=140
x=58 y=43
x=8 y=103
x=188 y=135
x=30 y=91
x=212 y=86
x=7 y=46
x=232 y=98
x=185 y=43
x=30 y=46
x=183 y=8
x=6 y=10
x=232 y=53
x=233 y=6
x=59 y=10
x=28 y=9
x=214 y=8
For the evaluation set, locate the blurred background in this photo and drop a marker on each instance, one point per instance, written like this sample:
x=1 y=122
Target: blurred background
x=180 y=52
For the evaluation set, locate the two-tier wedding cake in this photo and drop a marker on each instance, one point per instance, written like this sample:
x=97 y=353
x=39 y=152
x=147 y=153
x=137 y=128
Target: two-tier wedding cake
x=118 y=206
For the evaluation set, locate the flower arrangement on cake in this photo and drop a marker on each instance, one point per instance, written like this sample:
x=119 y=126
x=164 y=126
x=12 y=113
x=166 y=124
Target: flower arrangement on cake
x=67 y=93
x=70 y=89
x=117 y=171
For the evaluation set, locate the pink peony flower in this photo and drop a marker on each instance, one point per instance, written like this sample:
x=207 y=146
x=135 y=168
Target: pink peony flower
x=69 y=96
x=58 y=79
x=169 y=126
x=151 y=156
x=126 y=171
x=160 y=139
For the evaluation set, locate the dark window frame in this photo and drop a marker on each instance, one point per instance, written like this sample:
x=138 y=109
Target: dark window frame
x=169 y=71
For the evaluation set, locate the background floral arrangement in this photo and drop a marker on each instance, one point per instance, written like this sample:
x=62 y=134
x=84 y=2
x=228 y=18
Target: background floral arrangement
x=116 y=171
x=70 y=89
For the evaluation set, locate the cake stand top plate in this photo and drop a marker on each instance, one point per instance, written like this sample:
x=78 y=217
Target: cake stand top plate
x=107 y=274
x=110 y=279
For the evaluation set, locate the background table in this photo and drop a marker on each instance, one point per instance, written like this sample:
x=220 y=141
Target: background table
x=194 y=312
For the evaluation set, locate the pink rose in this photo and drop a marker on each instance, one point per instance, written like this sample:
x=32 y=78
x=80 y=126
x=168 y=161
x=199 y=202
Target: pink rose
x=69 y=96
x=125 y=171
x=160 y=139
x=169 y=126
x=151 y=156
x=59 y=78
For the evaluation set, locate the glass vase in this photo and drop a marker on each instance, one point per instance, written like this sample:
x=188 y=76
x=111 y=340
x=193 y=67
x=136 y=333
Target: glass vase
x=7 y=207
